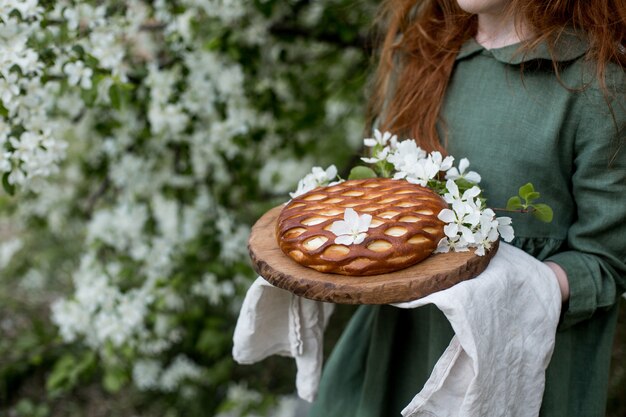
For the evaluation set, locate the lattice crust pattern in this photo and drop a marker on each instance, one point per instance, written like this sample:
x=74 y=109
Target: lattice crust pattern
x=404 y=228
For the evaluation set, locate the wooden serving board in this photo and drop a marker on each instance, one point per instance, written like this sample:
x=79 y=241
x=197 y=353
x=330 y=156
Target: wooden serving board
x=435 y=273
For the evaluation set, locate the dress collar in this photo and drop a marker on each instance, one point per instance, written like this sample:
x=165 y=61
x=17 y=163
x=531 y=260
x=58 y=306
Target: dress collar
x=570 y=45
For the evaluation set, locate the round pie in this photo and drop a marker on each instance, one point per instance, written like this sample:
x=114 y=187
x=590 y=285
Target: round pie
x=404 y=228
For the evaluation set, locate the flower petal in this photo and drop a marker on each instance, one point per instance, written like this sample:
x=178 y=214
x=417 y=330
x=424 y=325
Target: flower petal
x=331 y=172
x=493 y=235
x=467 y=234
x=473 y=176
x=447 y=215
x=340 y=227
x=399 y=175
x=359 y=238
x=447 y=163
x=344 y=240
x=461 y=208
x=471 y=193
x=369 y=142
x=451 y=229
x=452 y=174
x=443 y=246
x=352 y=218
x=453 y=189
x=503 y=220
x=463 y=164
x=507 y=232
x=491 y=214
x=364 y=223
x=472 y=218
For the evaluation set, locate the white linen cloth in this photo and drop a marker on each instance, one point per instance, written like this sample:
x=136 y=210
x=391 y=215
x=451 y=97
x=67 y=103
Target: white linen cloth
x=504 y=322
x=273 y=321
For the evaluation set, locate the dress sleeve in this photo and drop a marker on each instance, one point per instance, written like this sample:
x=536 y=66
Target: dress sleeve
x=595 y=253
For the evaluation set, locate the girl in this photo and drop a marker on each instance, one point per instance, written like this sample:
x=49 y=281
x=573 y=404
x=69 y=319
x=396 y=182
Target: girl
x=530 y=90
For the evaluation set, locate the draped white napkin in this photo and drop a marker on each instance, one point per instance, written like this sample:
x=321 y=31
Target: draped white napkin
x=504 y=322
x=276 y=322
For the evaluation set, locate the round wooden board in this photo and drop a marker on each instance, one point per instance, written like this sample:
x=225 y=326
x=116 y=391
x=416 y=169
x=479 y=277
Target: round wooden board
x=435 y=273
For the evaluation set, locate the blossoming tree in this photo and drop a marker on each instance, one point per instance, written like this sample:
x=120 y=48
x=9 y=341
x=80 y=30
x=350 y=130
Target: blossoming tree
x=138 y=141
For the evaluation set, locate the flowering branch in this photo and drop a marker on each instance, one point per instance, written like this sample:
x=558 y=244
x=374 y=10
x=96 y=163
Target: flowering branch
x=469 y=223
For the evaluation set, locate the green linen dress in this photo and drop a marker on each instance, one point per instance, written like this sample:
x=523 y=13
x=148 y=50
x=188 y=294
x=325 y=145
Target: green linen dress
x=516 y=128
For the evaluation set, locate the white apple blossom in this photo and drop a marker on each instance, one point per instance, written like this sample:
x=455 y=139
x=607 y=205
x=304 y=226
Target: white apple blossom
x=234 y=237
x=406 y=152
x=17 y=177
x=381 y=139
x=16 y=52
x=213 y=290
x=8 y=249
x=454 y=244
x=146 y=373
x=486 y=233
x=379 y=156
x=10 y=89
x=84 y=15
x=242 y=398
x=70 y=319
x=33 y=281
x=5 y=161
x=78 y=74
x=170 y=120
x=352 y=229
x=456 y=173
x=460 y=220
x=317 y=178
x=469 y=224
x=420 y=171
x=120 y=227
x=182 y=368
x=505 y=229
x=28 y=8
x=453 y=194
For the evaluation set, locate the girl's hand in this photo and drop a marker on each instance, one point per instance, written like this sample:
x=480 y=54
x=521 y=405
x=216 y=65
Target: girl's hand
x=561 y=277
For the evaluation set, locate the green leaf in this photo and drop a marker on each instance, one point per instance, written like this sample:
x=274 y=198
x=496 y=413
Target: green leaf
x=8 y=187
x=463 y=184
x=514 y=203
x=78 y=49
x=115 y=94
x=361 y=173
x=213 y=342
x=532 y=196
x=68 y=371
x=114 y=379
x=213 y=44
x=543 y=212
x=60 y=373
x=526 y=190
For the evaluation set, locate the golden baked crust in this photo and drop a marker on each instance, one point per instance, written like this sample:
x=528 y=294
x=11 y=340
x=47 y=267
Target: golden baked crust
x=404 y=229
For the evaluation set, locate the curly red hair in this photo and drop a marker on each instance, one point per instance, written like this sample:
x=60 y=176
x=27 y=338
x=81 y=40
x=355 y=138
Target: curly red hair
x=422 y=38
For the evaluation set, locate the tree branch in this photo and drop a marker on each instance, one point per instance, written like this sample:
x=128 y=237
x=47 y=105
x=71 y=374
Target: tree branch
x=95 y=196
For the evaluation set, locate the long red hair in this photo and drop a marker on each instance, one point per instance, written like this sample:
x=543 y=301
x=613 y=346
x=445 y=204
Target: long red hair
x=421 y=39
